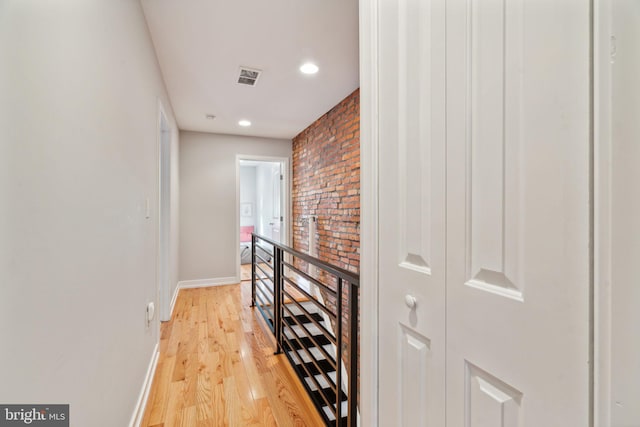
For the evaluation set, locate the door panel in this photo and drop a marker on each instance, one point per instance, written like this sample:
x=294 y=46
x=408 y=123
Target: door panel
x=414 y=363
x=489 y=402
x=493 y=166
x=412 y=204
x=484 y=216
x=517 y=213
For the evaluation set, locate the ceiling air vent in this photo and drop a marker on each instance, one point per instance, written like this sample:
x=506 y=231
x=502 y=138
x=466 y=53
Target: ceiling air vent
x=248 y=76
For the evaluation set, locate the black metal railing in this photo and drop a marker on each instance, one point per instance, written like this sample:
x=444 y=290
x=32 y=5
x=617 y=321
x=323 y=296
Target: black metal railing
x=312 y=309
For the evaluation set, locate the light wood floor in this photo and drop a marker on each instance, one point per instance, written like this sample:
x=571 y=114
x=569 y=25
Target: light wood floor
x=245 y=271
x=217 y=367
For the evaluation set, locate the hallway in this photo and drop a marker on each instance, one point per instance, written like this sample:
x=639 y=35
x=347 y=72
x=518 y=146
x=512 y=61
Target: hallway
x=473 y=163
x=217 y=367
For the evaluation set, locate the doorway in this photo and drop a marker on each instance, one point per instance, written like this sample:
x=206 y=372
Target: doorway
x=262 y=205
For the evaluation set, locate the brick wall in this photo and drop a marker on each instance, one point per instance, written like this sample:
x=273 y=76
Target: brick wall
x=326 y=183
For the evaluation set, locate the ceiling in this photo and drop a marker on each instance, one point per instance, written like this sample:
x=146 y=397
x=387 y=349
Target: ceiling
x=202 y=43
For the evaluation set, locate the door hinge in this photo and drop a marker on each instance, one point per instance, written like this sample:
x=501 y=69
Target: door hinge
x=281 y=177
x=281 y=219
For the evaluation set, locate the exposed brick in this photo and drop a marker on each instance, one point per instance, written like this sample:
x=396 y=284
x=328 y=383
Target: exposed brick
x=326 y=183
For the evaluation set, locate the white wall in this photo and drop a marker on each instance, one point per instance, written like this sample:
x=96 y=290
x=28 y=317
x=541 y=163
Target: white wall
x=208 y=200
x=79 y=85
x=248 y=193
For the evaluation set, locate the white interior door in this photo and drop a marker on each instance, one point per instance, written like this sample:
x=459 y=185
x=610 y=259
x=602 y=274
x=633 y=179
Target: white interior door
x=518 y=148
x=485 y=221
x=411 y=214
x=276 y=213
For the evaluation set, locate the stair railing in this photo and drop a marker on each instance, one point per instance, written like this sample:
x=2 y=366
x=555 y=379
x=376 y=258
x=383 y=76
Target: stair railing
x=314 y=320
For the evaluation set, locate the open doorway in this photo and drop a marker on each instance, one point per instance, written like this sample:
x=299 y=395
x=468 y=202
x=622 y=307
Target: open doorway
x=262 y=205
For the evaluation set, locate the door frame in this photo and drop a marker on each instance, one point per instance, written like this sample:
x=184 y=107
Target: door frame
x=602 y=151
x=164 y=215
x=369 y=171
x=285 y=164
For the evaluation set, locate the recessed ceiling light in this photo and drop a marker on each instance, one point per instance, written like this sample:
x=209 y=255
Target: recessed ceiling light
x=244 y=123
x=309 y=68
x=211 y=116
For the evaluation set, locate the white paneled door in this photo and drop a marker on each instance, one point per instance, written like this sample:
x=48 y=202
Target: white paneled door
x=412 y=213
x=484 y=213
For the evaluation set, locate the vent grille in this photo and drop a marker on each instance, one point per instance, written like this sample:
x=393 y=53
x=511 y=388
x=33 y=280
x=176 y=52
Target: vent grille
x=248 y=76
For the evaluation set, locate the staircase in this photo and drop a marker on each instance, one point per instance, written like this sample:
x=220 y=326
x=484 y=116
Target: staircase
x=316 y=371
x=292 y=303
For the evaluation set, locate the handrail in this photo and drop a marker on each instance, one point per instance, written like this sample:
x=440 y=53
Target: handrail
x=308 y=331
x=347 y=275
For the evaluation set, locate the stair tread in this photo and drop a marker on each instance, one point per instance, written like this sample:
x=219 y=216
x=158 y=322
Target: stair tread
x=330 y=418
x=307 y=342
x=329 y=394
x=323 y=364
x=303 y=319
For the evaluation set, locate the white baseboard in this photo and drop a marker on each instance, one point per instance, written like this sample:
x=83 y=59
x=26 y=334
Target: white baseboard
x=173 y=300
x=141 y=404
x=203 y=283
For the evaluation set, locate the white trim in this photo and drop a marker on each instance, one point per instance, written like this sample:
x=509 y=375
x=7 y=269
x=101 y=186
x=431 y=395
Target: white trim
x=173 y=300
x=287 y=225
x=205 y=283
x=141 y=404
x=164 y=218
x=369 y=164
x=237 y=218
x=602 y=31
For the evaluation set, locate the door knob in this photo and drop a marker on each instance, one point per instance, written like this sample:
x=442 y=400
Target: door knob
x=410 y=301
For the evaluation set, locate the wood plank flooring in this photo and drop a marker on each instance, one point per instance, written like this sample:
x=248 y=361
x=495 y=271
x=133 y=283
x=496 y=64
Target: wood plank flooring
x=245 y=272
x=217 y=367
